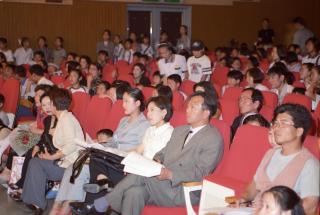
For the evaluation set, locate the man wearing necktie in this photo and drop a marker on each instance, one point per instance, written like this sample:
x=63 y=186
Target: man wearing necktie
x=193 y=152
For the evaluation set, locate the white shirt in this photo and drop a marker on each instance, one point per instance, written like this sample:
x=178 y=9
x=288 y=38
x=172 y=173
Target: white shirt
x=314 y=60
x=261 y=87
x=147 y=50
x=284 y=91
x=156 y=139
x=193 y=131
x=177 y=65
x=23 y=56
x=118 y=52
x=8 y=54
x=81 y=89
x=44 y=81
x=23 y=88
x=128 y=56
x=197 y=67
x=308 y=181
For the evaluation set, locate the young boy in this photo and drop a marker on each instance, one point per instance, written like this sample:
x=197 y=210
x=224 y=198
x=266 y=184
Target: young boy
x=305 y=72
x=234 y=79
x=37 y=75
x=199 y=65
x=278 y=83
x=156 y=79
x=3 y=116
x=103 y=58
x=128 y=51
x=104 y=136
x=146 y=48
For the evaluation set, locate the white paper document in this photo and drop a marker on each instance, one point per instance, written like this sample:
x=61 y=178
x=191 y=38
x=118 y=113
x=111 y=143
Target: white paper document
x=92 y=144
x=137 y=164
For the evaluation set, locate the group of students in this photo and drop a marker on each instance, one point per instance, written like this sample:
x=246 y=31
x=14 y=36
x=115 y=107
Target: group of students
x=188 y=153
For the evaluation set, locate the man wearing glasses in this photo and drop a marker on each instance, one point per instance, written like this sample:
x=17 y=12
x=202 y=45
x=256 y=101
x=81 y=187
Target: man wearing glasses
x=288 y=163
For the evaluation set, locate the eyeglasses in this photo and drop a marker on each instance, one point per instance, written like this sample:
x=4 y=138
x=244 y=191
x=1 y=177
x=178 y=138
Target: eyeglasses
x=281 y=123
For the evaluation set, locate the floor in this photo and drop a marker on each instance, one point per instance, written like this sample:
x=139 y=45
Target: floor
x=10 y=207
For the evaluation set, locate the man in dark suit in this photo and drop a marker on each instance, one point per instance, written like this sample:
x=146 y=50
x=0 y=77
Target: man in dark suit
x=193 y=152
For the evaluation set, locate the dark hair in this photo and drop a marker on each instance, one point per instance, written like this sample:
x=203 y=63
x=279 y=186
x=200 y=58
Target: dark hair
x=3 y=40
x=165 y=45
x=37 y=70
x=87 y=59
x=185 y=28
x=146 y=57
x=144 y=81
x=299 y=90
x=281 y=51
x=137 y=95
x=60 y=98
x=82 y=80
x=3 y=58
x=44 y=87
x=11 y=66
x=47 y=94
x=254 y=61
x=208 y=88
x=39 y=53
x=233 y=59
x=257 y=118
x=210 y=103
x=164 y=104
x=21 y=71
x=176 y=78
x=107 y=31
x=289 y=77
x=120 y=90
x=255 y=96
x=316 y=43
x=106 y=132
x=103 y=52
x=299 y=20
x=24 y=39
x=256 y=74
x=2 y=99
x=277 y=70
x=72 y=65
x=308 y=65
x=164 y=91
x=301 y=117
x=106 y=84
x=44 y=39
x=97 y=65
x=61 y=40
x=235 y=74
x=292 y=57
x=74 y=55
x=141 y=66
x=128 y=40
x=287 y=199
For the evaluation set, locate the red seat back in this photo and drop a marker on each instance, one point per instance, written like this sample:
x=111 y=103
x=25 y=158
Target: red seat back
x=246 y=152
x=264 y=65
x=232 y=93
x=298 y=99
x=187 y=87
x=57 y=79
x=298 y=84
x=229 y=110
x=107 y=72
x=270 y=99
x=177 y=100
x=311 y=143
x=219 y=75
x=178 y=118
x=114 y=116
x=127 y=77
x=96 y=115
x=11 y=92
x=267 y=112
x=296 y=76
x=147 y=92
x=79 y=105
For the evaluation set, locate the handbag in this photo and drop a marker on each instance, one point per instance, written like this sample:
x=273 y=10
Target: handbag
x=46 y=138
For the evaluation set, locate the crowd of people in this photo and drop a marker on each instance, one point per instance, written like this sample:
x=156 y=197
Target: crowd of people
x=287 y=179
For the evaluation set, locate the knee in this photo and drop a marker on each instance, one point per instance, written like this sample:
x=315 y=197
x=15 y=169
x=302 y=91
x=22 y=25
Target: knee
x=134 y=193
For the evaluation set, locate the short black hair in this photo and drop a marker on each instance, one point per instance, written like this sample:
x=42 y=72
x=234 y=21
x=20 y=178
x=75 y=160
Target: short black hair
x=144 y=81
x=308 y=65
x=210 y=103
x=299 y=90
x=3 y=40
x=44 y=87
x=120 y=90
x=37 y=70
x=292 y=57
x=164 y=91
x=137 y=95
x=281 y=51
x=106 y=84
x=257 y=118
x=255 y=96
x=47 y=94
x=176 y=78
x=128 y=41
x=316 y=43
x=60 y=98
x=21 y=71
x=208 y=88
x=107 y=31
x=235 y=74
x=301 y=117
x=38 y=53
x=105 y=131
x=254 y=61
x=103 y=52
x=87 y=59
x=2 y=99
x=299 y=20
x=277 y=70
x=72 y=65
x=164 y=104
x=256 y=74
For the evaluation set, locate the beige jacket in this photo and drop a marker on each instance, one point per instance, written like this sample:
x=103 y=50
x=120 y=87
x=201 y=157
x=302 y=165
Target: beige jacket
x=67 y=130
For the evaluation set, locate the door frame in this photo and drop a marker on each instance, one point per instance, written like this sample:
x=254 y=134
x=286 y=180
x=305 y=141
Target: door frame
x=155 y=19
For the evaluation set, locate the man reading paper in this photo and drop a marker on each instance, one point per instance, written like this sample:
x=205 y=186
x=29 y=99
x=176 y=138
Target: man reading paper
x=193 y=152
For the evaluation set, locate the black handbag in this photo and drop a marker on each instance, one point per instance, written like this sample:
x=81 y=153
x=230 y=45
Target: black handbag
x=109 y=159
x=46 y=138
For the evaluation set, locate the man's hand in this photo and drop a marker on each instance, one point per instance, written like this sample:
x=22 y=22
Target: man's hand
x=165 y=174
x=46 y=155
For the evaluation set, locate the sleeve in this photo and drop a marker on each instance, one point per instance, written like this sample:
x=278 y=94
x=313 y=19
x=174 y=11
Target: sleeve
x=68 y=145
x=189 y=65
x=206 y=159
x=309 y=182
x=183 y=64
x=206 y=67
x=10 y=56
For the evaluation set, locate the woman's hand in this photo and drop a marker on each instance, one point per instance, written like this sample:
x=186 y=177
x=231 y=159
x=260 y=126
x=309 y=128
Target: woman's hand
x=46 y=155
x=35 y=150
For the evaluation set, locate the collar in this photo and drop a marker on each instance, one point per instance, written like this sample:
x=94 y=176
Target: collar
x=162 y=127
x=197 y=129
x=171 y=59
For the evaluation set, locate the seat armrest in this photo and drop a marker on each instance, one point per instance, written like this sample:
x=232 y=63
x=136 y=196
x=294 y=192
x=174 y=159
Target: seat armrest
x=187 y=188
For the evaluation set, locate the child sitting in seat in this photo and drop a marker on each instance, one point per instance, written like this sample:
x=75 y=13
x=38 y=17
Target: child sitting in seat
x=3 y=116
x=104 y=136
x=234 y=79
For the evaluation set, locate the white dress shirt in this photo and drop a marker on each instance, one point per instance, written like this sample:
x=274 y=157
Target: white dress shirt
x=193 y=131
x=23 y=56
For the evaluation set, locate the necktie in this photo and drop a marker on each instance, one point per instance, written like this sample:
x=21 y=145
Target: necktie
x=186 y=138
